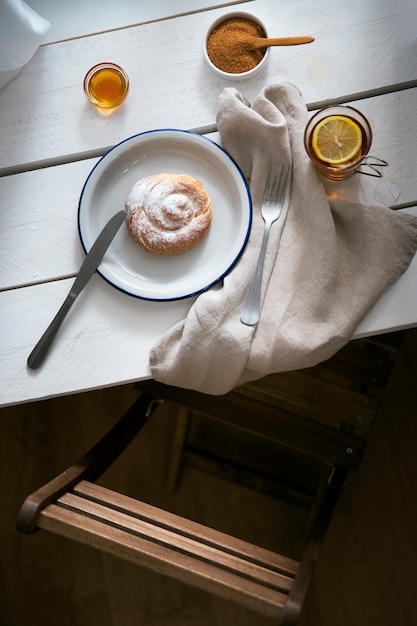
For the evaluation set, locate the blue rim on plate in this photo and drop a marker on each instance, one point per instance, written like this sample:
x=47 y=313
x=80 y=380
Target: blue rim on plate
x=156 y=277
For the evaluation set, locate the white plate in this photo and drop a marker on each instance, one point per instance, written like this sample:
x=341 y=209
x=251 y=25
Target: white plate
x=160 y=277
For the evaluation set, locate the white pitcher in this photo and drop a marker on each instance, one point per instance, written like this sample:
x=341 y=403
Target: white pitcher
x=21 y=32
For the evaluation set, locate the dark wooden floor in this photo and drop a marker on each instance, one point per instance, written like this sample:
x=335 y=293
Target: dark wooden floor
x=366 y=576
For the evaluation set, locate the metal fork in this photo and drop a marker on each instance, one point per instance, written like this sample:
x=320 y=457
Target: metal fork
x=272 y=203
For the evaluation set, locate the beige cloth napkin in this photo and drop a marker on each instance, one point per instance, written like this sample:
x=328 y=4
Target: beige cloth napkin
x=327 y=262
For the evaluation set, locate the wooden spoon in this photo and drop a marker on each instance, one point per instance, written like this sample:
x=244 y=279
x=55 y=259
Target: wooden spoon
x=264 y=42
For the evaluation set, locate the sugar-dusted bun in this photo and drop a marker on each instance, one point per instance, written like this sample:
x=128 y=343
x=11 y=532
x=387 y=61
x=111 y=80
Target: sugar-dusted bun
x=168 y=213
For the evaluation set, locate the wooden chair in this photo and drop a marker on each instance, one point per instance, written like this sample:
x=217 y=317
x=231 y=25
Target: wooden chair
x=323 y=414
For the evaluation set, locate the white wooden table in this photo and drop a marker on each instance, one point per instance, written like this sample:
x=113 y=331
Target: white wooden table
x=51 y=137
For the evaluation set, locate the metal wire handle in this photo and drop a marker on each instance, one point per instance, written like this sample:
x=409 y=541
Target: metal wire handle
x=372 y=163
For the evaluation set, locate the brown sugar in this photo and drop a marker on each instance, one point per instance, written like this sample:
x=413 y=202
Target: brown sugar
x=228 y=45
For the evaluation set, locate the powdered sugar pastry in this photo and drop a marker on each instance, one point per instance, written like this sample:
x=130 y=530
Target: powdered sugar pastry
x=168 y=213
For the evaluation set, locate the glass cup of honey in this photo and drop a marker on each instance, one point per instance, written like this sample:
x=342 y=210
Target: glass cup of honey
x=106 y=85
x=337 y=139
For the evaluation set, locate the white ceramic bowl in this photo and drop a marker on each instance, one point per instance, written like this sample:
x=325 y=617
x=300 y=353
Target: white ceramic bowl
x=229 y=75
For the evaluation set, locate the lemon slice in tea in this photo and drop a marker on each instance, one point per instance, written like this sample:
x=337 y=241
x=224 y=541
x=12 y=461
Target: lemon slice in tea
x=336 y=139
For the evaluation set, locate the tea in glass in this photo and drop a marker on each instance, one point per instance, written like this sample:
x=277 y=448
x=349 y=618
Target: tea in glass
x=106 y=85
x=337 y=139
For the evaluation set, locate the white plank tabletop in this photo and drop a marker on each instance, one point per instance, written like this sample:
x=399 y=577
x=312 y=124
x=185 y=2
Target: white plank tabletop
x=172 y=87
x=103 y=15
x=51 y=137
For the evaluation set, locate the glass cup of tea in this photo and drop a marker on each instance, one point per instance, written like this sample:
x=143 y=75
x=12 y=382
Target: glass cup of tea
x=106 y=85
x=337 y=139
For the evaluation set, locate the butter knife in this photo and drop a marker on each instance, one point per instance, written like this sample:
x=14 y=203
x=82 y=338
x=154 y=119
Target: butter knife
x=87 y=269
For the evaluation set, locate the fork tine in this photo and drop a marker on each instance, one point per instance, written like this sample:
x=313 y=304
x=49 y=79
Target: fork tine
x=276 y=183
x=277 y=177
x=269 y=184
x=285 y=172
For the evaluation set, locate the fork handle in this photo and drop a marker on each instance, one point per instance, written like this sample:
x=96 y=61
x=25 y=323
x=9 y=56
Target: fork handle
x=252 y=306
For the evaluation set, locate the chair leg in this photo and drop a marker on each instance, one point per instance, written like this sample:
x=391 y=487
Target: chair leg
x=314 y=543
x=177 y=448
x=91 y=466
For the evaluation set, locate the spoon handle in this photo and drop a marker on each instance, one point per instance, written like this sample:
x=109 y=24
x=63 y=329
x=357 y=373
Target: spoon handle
x=264 y=42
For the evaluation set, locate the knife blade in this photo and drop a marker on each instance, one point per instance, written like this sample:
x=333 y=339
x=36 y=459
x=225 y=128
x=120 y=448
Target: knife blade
x=87 y=269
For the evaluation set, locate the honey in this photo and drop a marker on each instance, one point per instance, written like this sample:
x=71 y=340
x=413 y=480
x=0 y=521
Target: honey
x=106 y=85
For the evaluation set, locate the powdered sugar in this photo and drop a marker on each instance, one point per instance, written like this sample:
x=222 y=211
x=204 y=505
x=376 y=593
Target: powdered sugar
x=168 y=213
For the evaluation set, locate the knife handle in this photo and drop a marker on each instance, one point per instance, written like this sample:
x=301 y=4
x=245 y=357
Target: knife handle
x=39 y=352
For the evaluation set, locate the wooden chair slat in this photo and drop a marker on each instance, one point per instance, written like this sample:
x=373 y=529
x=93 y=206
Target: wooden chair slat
x=308 y=436
x=160 y=518
x=177 y=541
x=362 y=365
x=303 y=395
x=253 y=592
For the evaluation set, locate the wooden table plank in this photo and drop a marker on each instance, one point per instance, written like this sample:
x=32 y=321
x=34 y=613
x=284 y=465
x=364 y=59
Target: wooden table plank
x=39 y=239
x=171 y=85
x=106 y=337
x=103 y=15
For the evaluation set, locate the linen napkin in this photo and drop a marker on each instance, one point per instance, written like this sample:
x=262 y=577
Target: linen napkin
x=327 y=262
